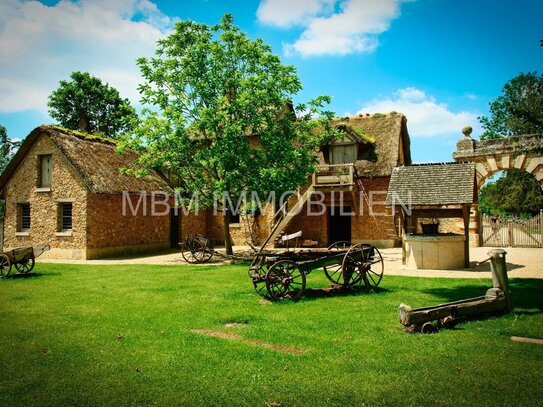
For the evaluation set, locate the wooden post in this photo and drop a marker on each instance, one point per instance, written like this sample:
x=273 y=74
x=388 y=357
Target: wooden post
x=499 y=275
x=466 y=215
x=541 y=228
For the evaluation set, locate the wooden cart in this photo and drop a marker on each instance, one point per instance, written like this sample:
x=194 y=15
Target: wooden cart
x=23 y=258
x=283 y=275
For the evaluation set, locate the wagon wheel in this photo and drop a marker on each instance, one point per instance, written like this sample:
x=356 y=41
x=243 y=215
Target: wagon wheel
x=5 y=265
x=202 y=252
x=341 y=245
x=363 y=264
x=26 y=265
x=257 y=272
x=285 y=280
x=194 y=251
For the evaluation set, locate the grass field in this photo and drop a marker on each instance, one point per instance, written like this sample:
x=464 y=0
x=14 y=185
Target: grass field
x=121 y=335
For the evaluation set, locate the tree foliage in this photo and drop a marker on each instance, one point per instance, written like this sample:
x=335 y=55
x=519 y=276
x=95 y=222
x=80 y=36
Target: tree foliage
x=221 y=121
x=519 y=110
x=7 y=149
x=85 y=103
x=516 y=193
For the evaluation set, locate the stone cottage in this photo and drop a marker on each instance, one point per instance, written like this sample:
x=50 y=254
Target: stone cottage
x=64 y=189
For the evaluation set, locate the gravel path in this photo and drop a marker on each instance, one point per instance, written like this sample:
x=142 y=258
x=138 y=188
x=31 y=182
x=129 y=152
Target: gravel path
x=521 y=262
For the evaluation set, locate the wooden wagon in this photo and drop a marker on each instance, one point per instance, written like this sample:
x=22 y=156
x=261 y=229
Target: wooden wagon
x=23 y=258
x=282 y=275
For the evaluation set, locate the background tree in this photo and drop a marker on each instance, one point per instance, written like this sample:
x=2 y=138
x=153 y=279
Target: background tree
x=213 y=88
x=7 y=149
x=516 y=193
x=85 y=103
x=519 y=110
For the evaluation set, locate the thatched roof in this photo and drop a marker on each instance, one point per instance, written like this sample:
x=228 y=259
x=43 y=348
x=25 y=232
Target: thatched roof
x=93 y=158
x=433 y=184
x=392 y=144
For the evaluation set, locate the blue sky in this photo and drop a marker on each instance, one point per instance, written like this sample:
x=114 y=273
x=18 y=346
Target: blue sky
x=440 y=62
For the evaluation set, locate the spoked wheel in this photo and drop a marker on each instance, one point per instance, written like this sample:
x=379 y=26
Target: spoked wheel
x=257 y=272
x=341 y=245
x=194 y=251
x=5 y=265
x=285 y=280
x=203 y=253
x=363 y=265
x=26 y=265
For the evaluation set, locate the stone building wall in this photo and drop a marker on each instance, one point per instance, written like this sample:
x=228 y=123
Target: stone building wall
x=44 y=206
x=114 y=232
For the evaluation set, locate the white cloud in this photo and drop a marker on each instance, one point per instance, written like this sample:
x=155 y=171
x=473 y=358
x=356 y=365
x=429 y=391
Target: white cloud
x=41 y=45
x=425 y=116
x=337 y=27
x=286 y=13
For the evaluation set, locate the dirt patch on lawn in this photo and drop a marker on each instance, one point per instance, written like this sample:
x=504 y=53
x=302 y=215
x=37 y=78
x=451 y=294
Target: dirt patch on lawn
x=237 y=337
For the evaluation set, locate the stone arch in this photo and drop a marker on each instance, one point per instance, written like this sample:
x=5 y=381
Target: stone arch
x=491 y=156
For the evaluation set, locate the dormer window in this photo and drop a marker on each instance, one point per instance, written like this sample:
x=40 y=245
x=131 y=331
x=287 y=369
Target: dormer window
x=343 y=151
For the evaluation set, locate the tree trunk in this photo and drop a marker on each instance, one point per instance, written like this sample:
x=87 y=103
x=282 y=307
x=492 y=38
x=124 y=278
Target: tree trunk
x=227 y=240
x=83 y=122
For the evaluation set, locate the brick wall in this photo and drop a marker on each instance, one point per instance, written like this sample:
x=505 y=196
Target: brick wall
x=125 y=233
x=44 y=206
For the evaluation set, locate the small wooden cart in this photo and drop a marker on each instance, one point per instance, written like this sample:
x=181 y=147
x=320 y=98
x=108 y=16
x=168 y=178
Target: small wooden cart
x=23 y=258
x=282 y=275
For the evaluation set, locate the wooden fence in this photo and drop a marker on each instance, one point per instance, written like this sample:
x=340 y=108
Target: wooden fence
x=515 y=232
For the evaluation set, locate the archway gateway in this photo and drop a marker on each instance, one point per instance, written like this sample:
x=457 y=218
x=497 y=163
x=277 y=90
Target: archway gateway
x=491 y=156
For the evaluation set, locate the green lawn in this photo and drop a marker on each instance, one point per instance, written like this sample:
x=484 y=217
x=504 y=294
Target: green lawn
x=120 y=335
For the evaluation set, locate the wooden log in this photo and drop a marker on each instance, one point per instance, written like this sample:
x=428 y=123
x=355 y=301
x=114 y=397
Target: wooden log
x=493 y=301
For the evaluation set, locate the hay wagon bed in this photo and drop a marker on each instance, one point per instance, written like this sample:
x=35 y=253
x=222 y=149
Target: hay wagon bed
x=282 y=275
x=23 y=258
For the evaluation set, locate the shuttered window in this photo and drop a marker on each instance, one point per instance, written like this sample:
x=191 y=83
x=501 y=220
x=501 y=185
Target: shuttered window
x=44 y=176
x=23 y=221
x=343 y=154
x=65 y=216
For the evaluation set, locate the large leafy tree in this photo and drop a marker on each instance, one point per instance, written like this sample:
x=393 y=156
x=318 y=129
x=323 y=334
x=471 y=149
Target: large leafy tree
x=221 y=121
x=87 y=104
x=515 y=193
x=518 y=110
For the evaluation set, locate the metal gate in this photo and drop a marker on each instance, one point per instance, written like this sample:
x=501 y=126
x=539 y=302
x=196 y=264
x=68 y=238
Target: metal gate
x=513 y=232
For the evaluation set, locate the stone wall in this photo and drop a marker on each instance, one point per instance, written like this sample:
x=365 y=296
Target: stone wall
x=44 y=205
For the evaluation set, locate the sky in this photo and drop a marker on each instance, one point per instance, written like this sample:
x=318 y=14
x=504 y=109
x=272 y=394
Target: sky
x=440 y=62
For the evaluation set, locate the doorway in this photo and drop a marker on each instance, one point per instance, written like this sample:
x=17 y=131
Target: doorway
x=174 y=227
x=339 y=224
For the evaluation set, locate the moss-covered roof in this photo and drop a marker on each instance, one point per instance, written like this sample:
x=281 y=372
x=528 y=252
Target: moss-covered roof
x=94 y=158
x=386 y=135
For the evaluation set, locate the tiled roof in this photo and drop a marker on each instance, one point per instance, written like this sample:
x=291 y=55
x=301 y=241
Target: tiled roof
x=432 y=184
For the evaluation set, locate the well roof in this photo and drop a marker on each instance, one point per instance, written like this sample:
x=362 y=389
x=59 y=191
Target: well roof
x=94 y=158
x=391 y=137
x=433 y=184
